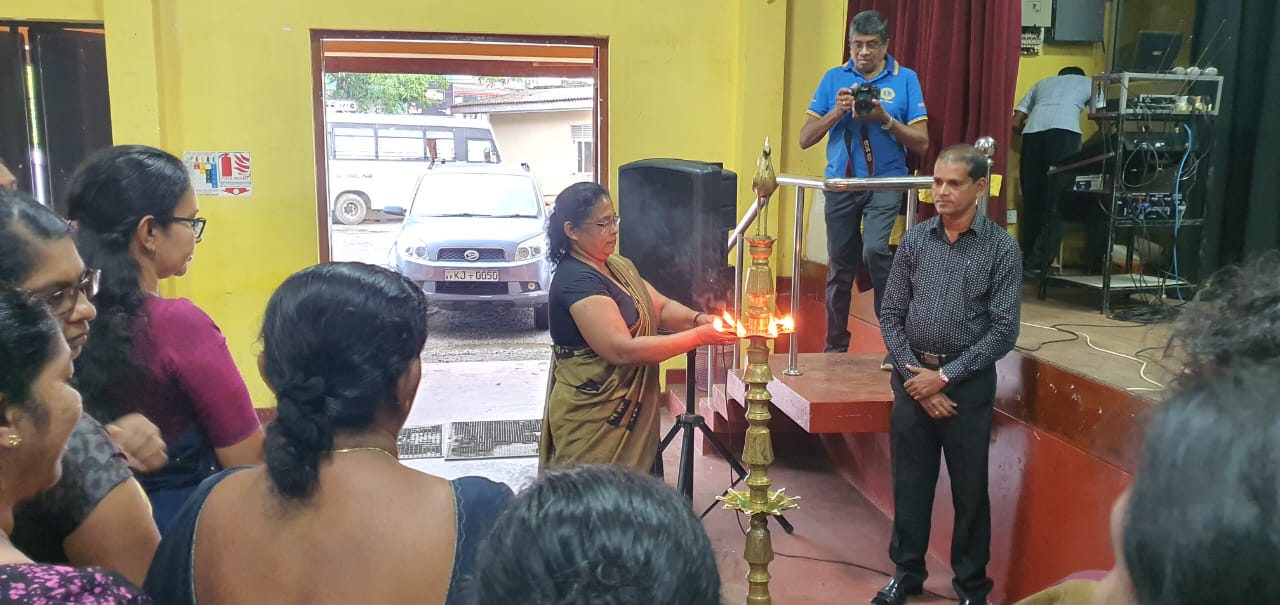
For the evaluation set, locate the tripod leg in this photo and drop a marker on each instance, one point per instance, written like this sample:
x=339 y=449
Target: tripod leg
x=671 y=434
x=658 y=470
x=684 y=481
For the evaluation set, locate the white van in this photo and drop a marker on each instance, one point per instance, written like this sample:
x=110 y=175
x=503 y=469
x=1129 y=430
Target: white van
x=375 y=160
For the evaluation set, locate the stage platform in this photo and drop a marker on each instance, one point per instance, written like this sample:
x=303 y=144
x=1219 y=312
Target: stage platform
x=1069 y=409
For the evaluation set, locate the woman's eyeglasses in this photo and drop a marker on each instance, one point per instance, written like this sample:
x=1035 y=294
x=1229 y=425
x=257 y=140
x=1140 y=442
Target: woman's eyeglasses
x=63 y=302
x=609 y=224
x=197 y=224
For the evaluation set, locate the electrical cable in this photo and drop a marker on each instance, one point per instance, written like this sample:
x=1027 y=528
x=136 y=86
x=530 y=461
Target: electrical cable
x=1177 y=209
x=886 y=574
x=1089 y=341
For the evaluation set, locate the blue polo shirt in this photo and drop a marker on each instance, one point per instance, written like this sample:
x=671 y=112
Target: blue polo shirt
x=900 y=96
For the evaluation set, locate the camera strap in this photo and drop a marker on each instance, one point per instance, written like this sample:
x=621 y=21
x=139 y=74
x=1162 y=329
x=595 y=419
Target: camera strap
x=868 y=154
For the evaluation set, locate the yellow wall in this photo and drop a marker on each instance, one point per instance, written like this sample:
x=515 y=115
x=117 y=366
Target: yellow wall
x=705 y=79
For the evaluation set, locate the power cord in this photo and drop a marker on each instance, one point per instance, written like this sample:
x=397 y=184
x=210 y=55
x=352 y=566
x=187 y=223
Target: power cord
x=846 y=563
x=1072 y=338
x=1148 y=314
x=1142 y=371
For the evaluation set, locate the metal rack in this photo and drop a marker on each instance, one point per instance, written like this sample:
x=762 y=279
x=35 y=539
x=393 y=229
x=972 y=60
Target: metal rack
x=1132 y=106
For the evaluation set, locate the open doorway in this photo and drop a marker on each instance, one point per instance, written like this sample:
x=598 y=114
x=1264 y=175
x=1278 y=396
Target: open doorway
x=390 y=106
x=438 y=156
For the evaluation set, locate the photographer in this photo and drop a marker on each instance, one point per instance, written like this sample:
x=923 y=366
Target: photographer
x=874 y=111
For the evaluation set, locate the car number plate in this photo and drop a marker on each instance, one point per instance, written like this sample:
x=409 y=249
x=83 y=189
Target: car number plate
x=471 y=275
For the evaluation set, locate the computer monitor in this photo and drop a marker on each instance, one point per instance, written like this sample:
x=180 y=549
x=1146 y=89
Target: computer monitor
x=1154 y=52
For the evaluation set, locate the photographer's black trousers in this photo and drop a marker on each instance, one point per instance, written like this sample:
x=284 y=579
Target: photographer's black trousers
x=858 y=227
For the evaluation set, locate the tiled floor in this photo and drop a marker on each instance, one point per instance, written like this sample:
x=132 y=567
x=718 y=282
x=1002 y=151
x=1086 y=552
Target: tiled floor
x=837 y=530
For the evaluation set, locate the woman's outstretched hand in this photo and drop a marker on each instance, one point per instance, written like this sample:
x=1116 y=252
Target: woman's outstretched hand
x=709 y=335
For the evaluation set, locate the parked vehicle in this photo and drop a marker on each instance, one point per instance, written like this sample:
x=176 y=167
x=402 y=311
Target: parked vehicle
x=375 y=159
x=474 y=235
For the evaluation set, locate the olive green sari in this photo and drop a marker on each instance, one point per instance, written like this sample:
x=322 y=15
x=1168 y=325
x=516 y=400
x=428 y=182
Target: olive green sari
x=599 y=413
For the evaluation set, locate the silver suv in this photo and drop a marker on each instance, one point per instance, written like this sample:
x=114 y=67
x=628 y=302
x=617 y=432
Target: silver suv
x=474 y=235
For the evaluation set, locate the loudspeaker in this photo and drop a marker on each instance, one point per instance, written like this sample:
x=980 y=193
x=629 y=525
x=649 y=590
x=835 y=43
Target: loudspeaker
x=676 y=218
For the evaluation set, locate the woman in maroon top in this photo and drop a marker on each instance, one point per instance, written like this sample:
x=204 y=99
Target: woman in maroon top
x=38 y=410
x=137 y=221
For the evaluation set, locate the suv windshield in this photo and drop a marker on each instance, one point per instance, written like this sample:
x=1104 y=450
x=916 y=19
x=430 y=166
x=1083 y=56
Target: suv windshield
x=478 y=194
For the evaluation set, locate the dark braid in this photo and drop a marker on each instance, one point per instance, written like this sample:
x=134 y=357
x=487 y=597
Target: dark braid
x=336 y=340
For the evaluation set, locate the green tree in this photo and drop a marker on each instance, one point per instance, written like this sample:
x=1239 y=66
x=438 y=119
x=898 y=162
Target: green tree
x=383 y=93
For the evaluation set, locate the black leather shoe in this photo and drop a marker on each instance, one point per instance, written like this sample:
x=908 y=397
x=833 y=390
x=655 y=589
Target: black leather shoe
x=895 y=593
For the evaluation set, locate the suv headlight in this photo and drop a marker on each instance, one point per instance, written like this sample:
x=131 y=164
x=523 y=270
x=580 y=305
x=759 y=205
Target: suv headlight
x=412 y=247
x=532 y=248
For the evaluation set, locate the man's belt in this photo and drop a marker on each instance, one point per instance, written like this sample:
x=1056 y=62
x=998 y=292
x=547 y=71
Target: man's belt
x=934 y=361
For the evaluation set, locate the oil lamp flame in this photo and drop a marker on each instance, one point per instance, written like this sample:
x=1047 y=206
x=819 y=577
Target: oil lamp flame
x=776 y=326
x=727 y=324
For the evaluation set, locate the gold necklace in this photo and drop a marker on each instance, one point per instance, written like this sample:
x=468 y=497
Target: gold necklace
x=367 y=449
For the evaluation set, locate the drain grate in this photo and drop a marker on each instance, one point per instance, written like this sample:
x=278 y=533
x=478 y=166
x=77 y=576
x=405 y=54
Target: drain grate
x=420 y=442
x=494 y=439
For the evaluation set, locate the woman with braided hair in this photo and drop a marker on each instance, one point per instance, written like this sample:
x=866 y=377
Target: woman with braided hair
x=333 y=517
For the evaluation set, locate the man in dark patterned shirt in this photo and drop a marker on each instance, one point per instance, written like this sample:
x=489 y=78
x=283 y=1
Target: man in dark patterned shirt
x=950 y=311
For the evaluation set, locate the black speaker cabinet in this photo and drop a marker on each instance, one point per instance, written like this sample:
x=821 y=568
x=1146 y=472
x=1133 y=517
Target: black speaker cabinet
x=676 y=218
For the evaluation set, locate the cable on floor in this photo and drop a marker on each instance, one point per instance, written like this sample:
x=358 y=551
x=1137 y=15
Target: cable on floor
x=1148 y=314
x=846 y=563
x=1142 y=371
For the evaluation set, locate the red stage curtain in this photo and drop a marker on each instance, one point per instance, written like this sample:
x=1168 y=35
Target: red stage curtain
x=966 y=53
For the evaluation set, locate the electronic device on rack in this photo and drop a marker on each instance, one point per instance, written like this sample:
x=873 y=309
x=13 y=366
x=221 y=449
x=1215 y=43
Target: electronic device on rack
x=1174 y=140
x=1149 y=206
x=1155 y=102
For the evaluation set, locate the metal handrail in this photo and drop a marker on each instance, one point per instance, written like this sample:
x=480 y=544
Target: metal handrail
x=884 y=183
x=910 y=184
x=748 y=219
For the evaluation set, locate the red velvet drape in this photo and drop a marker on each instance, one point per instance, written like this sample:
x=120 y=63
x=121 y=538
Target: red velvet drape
x=966 y=53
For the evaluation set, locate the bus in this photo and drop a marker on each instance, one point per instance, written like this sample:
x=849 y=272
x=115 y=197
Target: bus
x=375 y=160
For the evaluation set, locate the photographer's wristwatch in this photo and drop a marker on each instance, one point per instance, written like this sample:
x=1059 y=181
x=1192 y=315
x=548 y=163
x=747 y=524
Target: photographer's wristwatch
x=888 y=125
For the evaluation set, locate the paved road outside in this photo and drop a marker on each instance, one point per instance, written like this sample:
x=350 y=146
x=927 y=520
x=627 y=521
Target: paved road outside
x=481 y=334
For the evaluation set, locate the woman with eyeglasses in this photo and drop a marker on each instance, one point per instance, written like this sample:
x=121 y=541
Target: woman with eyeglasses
x=136 y=217
x=39 y=409
x=602 y=398
x=97 y=514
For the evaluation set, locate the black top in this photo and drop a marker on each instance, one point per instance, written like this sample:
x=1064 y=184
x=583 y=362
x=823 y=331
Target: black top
x=92 y=467
x=478 y=502
x=961 y=298
x=573 y=281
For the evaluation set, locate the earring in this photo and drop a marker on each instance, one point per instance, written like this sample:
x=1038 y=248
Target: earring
x=15 y=440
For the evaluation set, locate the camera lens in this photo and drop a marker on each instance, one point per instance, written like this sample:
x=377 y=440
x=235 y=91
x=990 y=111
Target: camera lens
x=864 y=97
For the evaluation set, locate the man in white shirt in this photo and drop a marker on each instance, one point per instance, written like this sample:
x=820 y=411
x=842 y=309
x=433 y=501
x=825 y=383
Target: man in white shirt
x=1049 y=117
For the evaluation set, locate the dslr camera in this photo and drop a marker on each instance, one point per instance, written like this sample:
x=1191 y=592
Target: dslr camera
x=864 y=96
